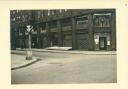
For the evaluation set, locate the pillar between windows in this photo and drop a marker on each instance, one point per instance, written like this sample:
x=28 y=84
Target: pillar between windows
x=59 y=33
x=113 y=31
x=91 y=33
x=74 y=34
x=48 y=34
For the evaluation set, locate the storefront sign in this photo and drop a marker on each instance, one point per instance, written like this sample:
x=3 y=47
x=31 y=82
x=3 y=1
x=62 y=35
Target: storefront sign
x=96 y=38
x=108 y=42
x=96 y=41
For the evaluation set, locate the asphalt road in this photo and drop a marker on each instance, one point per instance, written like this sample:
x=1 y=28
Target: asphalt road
x=63 y=68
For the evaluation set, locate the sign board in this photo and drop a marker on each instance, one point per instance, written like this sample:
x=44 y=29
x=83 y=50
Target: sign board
x=96 y=38
x=96 y=41
x=108 y=42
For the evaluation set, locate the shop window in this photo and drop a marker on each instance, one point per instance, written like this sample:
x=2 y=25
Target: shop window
x=53 y=24
x=82 y=22
x=102 y=20
x=66 y=22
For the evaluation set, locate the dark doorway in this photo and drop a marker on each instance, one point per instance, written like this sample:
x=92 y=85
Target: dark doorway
x=54 y=39
x=102 y=43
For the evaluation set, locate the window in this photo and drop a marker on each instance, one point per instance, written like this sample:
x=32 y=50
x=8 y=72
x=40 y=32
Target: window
x=48 y=12
x=102 y=20
x=42 y=14
x=53 y=24
x=38 y=14
x=66 y=22
x=13 y=12
x=65 y=10
x=60 y=10
x=82 y=20
x=13 y=19
x=52 y=12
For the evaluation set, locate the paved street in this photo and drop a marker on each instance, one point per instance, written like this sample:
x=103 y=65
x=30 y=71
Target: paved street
x=65 y=68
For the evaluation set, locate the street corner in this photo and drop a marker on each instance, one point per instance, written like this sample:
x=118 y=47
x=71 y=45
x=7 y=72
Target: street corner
x=23 y=63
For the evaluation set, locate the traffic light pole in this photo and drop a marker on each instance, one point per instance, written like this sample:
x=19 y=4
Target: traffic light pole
x=29 y=51
x=29 y=41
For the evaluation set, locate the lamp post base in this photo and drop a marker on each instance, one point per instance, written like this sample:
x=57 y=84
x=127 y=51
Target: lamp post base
x=29 y=55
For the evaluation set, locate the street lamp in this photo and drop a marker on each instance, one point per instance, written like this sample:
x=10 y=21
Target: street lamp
x=29 y=52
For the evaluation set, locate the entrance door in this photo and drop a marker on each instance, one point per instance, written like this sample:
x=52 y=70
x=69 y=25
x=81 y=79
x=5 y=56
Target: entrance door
x=67 y=40
x=102 y=43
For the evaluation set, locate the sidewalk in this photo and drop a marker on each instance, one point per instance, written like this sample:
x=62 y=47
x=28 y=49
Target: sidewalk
x=72 y=51
x=19 y=61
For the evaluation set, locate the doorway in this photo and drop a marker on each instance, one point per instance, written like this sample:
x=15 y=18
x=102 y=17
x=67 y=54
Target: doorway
x=102 y=43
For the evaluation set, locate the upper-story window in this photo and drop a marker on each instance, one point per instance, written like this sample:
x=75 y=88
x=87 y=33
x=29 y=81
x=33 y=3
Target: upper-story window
x=60 y=10
x=53 y=24
x=23 y=18
x=13 y=12
x=48 y=12
x=19 y=17
x=66 y=22
x=17 y=11
x=38 y=14
x=13 y=19
x=29 y=16
x=102 y=20
x=65 y=10
x=42 y=14
x=52 y=12
x=82 y=20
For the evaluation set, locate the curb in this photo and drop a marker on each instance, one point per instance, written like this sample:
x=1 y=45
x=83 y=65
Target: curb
x=71 y=52
x=25 y=64
x=96 y=53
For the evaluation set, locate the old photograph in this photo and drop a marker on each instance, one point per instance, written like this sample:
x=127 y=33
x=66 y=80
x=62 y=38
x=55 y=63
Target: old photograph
x=63 y=46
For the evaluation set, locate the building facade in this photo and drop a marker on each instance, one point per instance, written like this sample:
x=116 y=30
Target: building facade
x=81 y=29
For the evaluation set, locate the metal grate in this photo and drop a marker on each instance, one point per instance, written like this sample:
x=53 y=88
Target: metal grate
x=83 y=41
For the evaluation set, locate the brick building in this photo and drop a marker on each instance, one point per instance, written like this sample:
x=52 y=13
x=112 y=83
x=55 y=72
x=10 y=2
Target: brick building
x=81 y=29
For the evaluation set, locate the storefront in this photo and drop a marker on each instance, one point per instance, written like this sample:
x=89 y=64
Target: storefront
x=102 y=31
x=95 y=30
